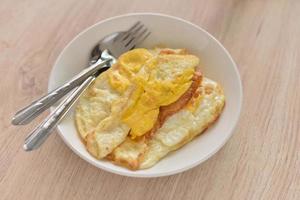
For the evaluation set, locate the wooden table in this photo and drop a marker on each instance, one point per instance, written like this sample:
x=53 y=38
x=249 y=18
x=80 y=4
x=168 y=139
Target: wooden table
x=261 y=160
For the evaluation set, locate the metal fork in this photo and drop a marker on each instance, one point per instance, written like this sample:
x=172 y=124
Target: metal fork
x=108 y=49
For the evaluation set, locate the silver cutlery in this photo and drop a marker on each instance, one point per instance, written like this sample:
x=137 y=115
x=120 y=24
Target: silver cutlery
x=30 y=112
x=106 y=52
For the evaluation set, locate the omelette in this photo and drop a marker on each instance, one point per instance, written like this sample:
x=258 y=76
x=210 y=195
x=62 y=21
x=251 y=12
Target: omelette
x=151 y=102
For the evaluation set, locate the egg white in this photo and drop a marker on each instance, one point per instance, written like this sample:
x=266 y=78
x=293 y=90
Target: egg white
x=98 y=118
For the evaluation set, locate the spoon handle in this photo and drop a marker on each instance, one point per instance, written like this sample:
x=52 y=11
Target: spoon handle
x=41 y=133
x=30 y=112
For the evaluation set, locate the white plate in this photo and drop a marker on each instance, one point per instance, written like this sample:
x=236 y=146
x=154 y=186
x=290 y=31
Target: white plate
x=173 y=32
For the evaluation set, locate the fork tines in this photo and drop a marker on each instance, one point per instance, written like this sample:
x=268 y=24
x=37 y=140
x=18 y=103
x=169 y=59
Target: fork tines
x=135 y=35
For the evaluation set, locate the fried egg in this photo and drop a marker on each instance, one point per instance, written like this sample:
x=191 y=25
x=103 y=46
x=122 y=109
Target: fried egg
x=178 y=129
x=119 y=115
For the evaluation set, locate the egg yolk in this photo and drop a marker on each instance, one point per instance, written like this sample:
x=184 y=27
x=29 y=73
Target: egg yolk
x=157 y=82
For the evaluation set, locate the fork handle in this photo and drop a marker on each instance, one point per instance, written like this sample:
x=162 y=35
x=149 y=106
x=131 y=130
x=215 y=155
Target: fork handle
x=41 y=133
x=30 y=112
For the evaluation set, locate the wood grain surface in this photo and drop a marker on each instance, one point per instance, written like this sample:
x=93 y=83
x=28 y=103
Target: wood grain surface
x=260 y=161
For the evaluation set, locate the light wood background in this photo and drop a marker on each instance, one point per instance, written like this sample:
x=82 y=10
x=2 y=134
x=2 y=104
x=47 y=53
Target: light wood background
x=261 y=160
